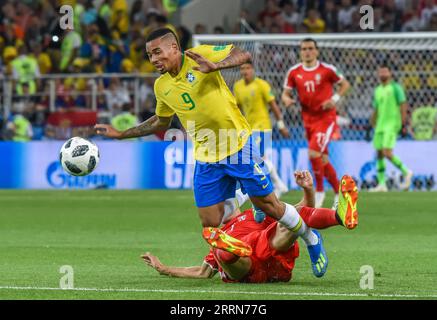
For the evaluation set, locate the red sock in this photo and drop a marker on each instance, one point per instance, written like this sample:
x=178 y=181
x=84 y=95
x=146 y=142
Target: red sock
x=331 y=176
x=225 y=257
x=318 y=218
x=319 y=172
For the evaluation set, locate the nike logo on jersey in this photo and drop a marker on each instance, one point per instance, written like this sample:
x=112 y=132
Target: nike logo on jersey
x=166 y=93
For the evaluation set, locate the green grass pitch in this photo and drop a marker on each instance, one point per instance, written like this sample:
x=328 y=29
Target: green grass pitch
x=101 y=234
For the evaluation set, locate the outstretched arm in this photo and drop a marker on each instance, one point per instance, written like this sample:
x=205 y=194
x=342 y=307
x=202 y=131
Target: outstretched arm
x=197 y=272
x=235 y=58
x=305 y=181
x=150 y=126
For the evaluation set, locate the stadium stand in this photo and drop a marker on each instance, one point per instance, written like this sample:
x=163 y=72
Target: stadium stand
x=57 y=71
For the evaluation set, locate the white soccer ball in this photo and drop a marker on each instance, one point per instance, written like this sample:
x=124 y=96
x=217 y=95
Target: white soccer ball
x=79 y=156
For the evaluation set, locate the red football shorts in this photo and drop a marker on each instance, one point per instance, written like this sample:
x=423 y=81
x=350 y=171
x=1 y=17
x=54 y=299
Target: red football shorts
x=319 y=134
x=268 y=265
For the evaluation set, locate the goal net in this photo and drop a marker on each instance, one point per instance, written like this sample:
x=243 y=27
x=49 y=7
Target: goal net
x=413 y=58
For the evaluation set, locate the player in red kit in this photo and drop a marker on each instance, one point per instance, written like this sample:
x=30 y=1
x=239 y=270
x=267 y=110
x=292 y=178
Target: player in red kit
x=314 y=82
x=273 y=248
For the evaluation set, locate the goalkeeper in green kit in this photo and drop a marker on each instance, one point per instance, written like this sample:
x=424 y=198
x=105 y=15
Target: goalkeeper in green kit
x=388 y=119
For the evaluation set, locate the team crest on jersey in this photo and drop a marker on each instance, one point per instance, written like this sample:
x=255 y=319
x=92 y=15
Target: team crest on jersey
x=318 y=78
x=190 y=77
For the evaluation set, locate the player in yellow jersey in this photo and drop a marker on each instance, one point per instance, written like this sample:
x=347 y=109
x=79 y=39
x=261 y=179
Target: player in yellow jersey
x=254 y=96
x=192 y=87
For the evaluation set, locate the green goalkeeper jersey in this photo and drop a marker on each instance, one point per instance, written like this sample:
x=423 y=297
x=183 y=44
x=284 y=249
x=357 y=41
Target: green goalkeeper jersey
x=387 y=100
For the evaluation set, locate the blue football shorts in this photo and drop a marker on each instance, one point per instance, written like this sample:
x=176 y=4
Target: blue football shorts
x=217 y=181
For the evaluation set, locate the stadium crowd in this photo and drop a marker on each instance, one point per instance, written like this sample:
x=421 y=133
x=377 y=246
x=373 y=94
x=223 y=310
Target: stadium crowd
x=109 y=37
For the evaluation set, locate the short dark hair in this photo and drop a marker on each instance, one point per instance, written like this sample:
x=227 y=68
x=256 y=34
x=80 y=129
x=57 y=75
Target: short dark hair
x=161 y=19
x=310 y=40
x=384 y=64
x=158 y=33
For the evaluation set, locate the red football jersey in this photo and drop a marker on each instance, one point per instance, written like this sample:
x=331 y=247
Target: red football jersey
x=314 y=86
x=238 y=227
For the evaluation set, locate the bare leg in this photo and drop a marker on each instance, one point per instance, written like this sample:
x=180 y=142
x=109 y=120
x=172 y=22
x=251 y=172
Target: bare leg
x=270 y=205
x=234 y=267
x=283 y=238
x=211 y=216
x=318 y=164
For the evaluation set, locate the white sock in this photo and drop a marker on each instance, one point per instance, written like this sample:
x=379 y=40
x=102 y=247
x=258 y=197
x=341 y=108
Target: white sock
x=241 y=197
x=231 y=205
x=274 y=175
x=335 y=203
x=292 y=221
x=320 y=196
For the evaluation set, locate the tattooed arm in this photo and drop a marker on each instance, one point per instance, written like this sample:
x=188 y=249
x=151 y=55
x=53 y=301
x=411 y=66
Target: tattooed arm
x=235 y=58
x=151 y=125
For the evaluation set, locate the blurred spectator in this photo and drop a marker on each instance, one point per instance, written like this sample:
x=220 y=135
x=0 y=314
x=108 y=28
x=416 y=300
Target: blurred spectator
x=61 y=132
x=105 y=11
x=244 y=23
x=218 y=30
x=314 y=23
x=117 y=96
x=345 y=14
x=289 y=15
x=412 y=22
x=264 y=25
x=120 y=17
x=25 y=71
x=424 y=122
x=78 y=9
x=331 y=16
x=125 y=120
x=426 y=13
x=70 y=47
x=109 y=36
x=432 y=26
x=90 y=14
x=9 y=54
x=137 y=13
x=271 y=10
x=43 y=59
x=94 y=49
x=200 y=29
x=19 y=128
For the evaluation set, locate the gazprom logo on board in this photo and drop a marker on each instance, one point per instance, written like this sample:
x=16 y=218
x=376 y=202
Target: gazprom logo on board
x=58 y=178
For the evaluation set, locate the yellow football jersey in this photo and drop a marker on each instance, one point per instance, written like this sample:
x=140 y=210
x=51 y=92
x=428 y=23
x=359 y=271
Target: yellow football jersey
x=205 y=106
x=253 y=98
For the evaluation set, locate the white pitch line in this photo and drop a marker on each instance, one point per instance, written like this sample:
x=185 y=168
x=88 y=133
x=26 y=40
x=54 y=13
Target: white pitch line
x=307 y=294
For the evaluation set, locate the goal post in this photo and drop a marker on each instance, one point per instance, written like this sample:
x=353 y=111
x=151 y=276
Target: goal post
x=412 y=56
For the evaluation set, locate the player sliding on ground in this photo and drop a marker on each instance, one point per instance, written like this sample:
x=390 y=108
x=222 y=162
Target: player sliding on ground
x=314 y=82
x=270 y=249
x=192 y=87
